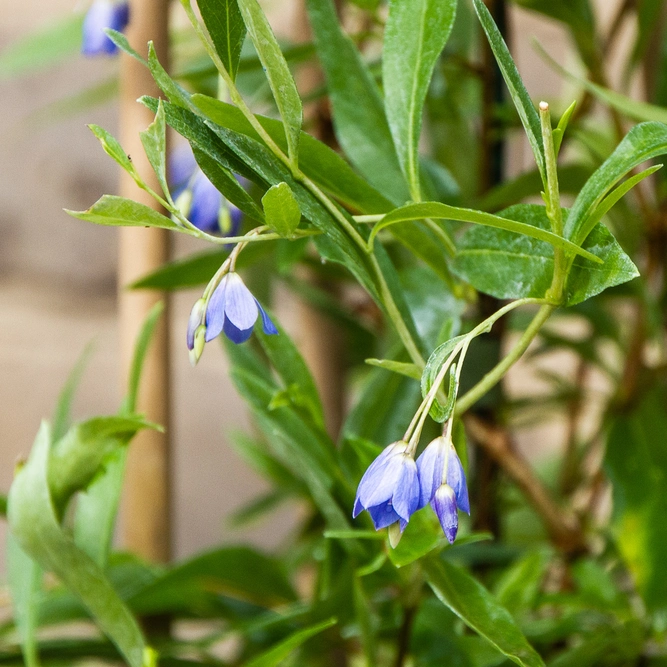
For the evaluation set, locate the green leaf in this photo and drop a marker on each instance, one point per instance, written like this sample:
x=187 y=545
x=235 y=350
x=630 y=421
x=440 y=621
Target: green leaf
x=24 y=577
x=293 y=371
x=519 y=585
x=240 y=571
x=415 y=34
x=78 y=455
x=228 y=185
x=643 y=142
x=524 y=105
x=61 y=416
x=191 y=271
x=317 y=160
x=508 y=266
x=224 y=23
x=114 y=150
x=443 y=211
x=478 y=609
x=33 y=523
x=430 y=374
x=175 y=93
x=276 y=654
x=282 y=211
x=119 y=39
x=280 y=78
x=409 y=370
x=97 y=506
x=42 y=48
x=118 y=211
x=358 y=112
x=422 y=535
x=636 y=463
x=154 y=141
x=559 y=132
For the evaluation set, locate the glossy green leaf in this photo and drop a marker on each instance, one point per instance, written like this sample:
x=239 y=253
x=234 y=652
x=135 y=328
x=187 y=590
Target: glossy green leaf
x=280 y=78
x=524 y=105
x=358 y=112
x=25 y=577
x=508 y=266
x=636 y=462
x=443 y=211
x=224 y=23
x=154 y=141
x=559 y=132
x=415 y=34
x=479 y=610
x=275 y=655
x=34 y=524
x=643 y=142
x=118 y=211
x=42 y=48
x=317 y=160
x=282 y=211
x=400 y=367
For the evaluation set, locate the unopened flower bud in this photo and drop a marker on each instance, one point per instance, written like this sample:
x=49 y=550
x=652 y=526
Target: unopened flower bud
x=196 y=318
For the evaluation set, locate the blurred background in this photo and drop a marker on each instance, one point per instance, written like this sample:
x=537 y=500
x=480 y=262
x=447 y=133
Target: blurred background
x=58 y=277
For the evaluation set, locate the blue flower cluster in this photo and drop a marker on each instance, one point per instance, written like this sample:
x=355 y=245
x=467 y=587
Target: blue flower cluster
x=395 y=486
x=197 y=198
x=103 y=14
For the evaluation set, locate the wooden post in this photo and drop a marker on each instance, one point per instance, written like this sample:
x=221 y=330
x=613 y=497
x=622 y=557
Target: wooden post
x=146 y=503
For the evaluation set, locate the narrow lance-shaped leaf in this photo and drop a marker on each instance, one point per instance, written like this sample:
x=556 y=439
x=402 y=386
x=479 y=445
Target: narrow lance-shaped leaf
x=478 y=609
x=358 y=111
x=154 y=141
x=34 y=525
x=118 y=211
x=415 y=34
x=443 y=211
x=280 y=78
x=524 y=105
x=225 y=25
x=643 y=142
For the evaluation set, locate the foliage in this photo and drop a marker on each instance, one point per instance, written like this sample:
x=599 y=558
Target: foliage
x=458 y=282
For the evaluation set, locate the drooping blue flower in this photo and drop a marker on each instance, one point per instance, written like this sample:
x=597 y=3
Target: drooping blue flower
x=103 y=14
x=197 y=198
x=234 y=310
x=389 y=489
x=438 y=459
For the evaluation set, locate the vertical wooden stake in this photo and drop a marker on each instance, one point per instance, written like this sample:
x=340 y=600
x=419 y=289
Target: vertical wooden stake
x=146 y=503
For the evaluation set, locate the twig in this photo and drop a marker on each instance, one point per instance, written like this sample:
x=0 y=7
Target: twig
x=563 y=527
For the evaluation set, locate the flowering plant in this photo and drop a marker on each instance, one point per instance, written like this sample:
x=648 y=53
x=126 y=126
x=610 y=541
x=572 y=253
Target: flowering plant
x=438 y=275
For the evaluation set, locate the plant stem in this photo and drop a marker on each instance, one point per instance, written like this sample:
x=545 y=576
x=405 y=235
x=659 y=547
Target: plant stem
x=494 y=376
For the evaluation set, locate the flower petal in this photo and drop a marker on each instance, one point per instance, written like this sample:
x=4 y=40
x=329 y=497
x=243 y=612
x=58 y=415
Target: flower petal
x=444 y=505
x=181 y=168
x=372 y=476
x=431 y=464
x=406 y=492
x=215 y=313
x=456 y=478
x=240 y=305
x=267 y=325
x=205 y=205
x=235 y=334
x=383 y=515
x=103 y=14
